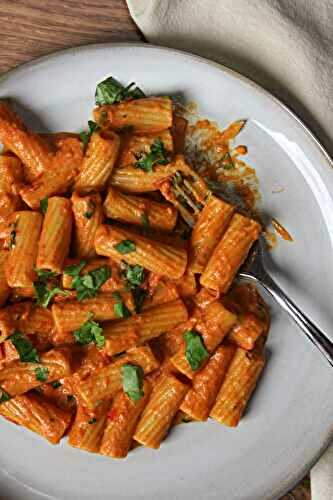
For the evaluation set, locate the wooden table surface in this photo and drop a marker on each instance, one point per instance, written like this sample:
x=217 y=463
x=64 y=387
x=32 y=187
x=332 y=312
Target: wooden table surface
x=32 y=28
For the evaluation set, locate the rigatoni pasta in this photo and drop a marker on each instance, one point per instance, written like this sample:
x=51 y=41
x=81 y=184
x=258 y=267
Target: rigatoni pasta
x=98 y=162
x=155 y=256
x=24 y=237
x=140 y=211
x=119 y=314
x=55 y=237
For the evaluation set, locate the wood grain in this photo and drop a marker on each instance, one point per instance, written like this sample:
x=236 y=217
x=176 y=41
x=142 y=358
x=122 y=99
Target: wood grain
x=32 y=28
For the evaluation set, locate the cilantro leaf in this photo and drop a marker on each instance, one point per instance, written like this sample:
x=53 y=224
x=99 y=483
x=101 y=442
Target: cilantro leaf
x=41 y=373
x=110 y=91
x=75 y=269
x=44 y=274
x=125 y=246
x=3 y=396
x=157 y=156
x=85 y=135
x=145 y=222
x=92 y=421
x=135 y=275
x=121 y=310
x=44 y=295
x=56 y=384
x=195 y=351
x=89 y=332
x=27 y=352
x=87 y=286
x=44 y=204
x=132 y=378
x=139 y=295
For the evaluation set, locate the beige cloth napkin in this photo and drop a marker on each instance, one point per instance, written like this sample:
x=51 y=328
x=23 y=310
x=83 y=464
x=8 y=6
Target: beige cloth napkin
x=285 y=45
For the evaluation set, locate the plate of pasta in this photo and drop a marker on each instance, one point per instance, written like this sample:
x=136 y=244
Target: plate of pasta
x=126 y=338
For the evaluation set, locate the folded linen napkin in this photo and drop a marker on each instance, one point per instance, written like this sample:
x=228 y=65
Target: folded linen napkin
x=284 y=45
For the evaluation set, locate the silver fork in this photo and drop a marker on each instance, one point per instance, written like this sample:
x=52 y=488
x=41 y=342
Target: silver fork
x=255 y=271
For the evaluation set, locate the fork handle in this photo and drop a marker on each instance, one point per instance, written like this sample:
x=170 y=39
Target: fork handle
x=317 y=337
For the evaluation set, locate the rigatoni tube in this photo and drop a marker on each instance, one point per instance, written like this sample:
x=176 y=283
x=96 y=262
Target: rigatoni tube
x=88 y=215
x=37 y=415
x=70 y=315
x=19 y=267
x=212 y=222
x=105 y=383
x=157 y=257
x=147 y=325
x=56 y=235
x=139 y=211
x=98 y=162
x=145 y=116
x=160 y=411
x=237 y=387
x=121 y=423
x=230 y=253
x=206 y=384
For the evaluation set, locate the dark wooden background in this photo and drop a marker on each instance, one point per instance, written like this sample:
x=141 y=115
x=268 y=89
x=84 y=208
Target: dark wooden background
x=32 y=28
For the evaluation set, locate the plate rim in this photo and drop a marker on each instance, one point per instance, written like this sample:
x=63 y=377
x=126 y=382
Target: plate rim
x=290 y=483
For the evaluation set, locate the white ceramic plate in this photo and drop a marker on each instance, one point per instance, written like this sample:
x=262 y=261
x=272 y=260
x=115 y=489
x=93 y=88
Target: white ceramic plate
x=289 y=422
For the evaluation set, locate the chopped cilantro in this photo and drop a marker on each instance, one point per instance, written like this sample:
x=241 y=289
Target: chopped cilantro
x=139 y=295
x=85 y=136
x=92 y=421
x=195 y=351
x=56 y=384
x=110 y=91
x=75 y=269
x=91 y=209
x=121 y=310
x=87 y=286
x=157 y=156
x=89 y=332
x=44 y=204
x=145 y=222
x=41 y=373
x=44 y=295
x=27 y=352
x=135 y=275
x=132 y=377
x=3 y=396
x=125 y=246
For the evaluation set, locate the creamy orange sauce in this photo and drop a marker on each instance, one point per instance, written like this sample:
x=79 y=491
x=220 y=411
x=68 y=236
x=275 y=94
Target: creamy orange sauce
x=281 y=230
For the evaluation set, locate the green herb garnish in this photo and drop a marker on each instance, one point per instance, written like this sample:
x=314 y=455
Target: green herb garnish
x=139 y=295
x=125 y=246
x=132 y=377
x=120 y=309
x=85 y=135
x=89 y=332
x=135 y=275
x=27 y=352
x=3 y=396
x=110 y=91
x=92 y=421
x=41 y=373
x=157 y=156
x=44 y=204
x=87 y=286
x=195 y=350
x=145 y=222
x=56 y=384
